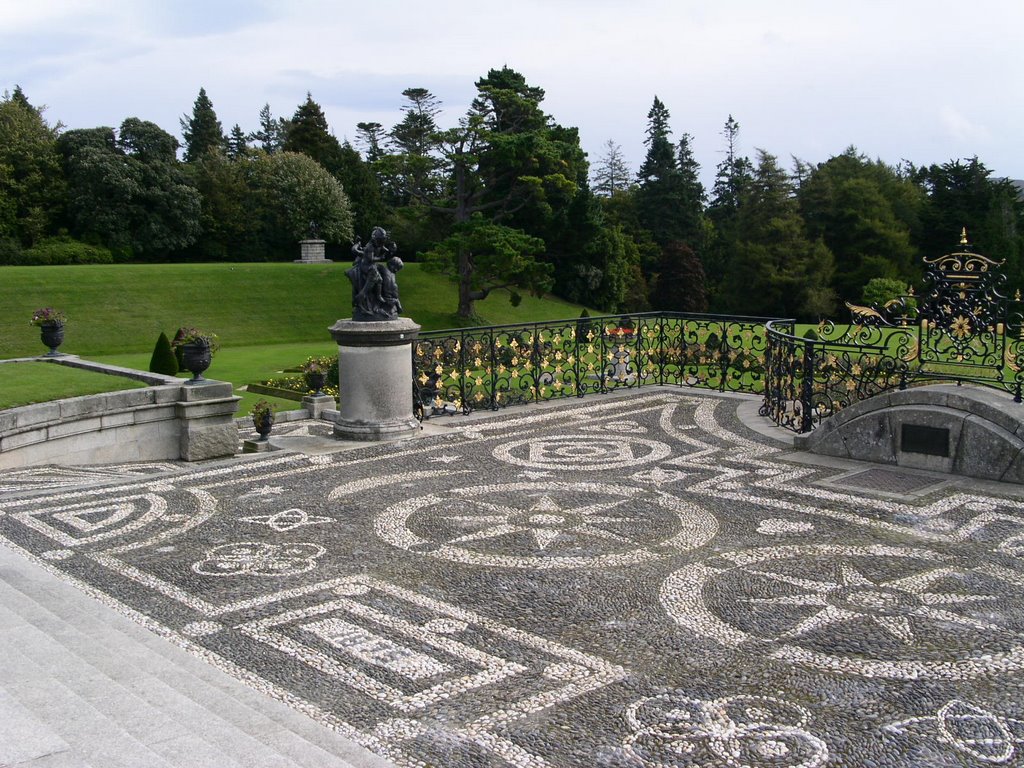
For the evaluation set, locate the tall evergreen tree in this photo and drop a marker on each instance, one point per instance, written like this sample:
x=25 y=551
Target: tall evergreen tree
x=669 y=202
x=774 y=267
x=866 y=213
x=370 y=138
x=237 y=143
x=416 y=133
x=733 y=177
x=202 y=131
x=270 y=136
x=508 y=167
x=612 y=173
x=309 y=134
x=660 y=160
x=412 y=170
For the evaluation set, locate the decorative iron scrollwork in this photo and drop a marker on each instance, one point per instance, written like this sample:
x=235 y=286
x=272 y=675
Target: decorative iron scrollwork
x=959 y=328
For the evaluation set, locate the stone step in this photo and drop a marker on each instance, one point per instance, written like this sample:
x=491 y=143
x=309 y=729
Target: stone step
x=94 y=668
x=187 y=712
x=90 y=735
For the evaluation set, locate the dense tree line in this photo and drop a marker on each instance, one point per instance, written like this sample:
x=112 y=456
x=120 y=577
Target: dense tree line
x=505 y=200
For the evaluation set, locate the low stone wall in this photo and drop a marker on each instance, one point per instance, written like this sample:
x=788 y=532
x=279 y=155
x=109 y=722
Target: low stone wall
x=167 y=420
x=966 y=430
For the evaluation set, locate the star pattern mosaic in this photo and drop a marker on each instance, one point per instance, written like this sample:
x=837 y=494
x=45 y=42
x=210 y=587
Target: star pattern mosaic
x=627 y=583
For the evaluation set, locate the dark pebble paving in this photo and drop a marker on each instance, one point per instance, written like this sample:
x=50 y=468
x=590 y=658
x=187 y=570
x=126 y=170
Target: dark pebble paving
x=639 y=581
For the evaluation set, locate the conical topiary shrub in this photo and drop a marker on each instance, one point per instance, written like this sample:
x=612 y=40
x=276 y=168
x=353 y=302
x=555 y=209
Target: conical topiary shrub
x=163 y=360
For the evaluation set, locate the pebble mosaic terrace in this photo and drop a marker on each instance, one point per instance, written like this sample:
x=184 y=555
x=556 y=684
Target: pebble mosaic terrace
x=641 y=581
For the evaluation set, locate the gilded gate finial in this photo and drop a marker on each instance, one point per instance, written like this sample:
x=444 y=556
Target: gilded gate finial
x=963 y=236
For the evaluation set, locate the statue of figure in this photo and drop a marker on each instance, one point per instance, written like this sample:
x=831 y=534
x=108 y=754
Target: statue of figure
x=314 y=230
x=374 y=285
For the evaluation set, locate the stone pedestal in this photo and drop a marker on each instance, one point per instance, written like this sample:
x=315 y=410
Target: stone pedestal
x=375 y=369
x=317 y=404
x=206 y=413
x=312 y=252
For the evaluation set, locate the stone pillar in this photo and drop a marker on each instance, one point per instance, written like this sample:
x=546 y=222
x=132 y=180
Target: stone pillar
x=375 y=371
x=206 y=418
x=312 y=252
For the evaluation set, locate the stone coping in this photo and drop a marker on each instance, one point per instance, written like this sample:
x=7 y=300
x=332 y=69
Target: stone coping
x=169 y=419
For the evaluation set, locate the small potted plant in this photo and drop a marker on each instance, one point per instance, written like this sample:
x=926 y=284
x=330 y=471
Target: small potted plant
x=197 y=348
x=262 y=414
x=315 y=374
x=51 y=326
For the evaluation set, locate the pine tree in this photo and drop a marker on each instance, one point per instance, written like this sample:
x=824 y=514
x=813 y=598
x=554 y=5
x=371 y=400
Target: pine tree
x=202 y=131
x=237 y=143
x=309 y=133
x=775 y=267
x=669 y=200
x=270 y=136
x=612 y=173
x=370 y=138
x=732 y=183
x=660 y=161
x=416 y=133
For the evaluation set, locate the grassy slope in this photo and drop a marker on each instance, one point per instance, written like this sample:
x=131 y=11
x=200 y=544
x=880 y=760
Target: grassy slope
x=268 y=316
x=24 y=383
x=122 y=308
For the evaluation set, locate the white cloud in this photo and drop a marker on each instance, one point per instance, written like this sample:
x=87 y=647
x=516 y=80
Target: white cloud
x=802 y=77
x=962 y=128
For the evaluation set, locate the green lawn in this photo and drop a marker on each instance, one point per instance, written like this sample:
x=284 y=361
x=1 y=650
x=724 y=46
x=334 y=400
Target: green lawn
x=115 y=309
x=25 y=383
x=268 y=316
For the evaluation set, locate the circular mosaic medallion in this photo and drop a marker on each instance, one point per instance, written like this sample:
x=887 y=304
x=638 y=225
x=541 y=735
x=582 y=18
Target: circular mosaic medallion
x=877 y=611
x=546 y=525
x=582 y=452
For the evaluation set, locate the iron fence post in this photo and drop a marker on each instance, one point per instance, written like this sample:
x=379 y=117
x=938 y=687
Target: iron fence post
x=462 y=372
x=536 y=357
x=494 y=374
x=722 y=362
x=661 y=351
x=807 y=388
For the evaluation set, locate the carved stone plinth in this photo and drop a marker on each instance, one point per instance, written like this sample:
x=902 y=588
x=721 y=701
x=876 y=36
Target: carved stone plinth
x=312 y=252
x=206 y=413
x=375 y=379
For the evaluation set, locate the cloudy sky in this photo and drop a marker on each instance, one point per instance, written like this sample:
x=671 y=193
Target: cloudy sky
x=921 y=80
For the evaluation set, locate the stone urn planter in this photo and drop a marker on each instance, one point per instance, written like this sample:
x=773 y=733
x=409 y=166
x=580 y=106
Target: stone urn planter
x=196 y=358
x=315 y=380
x=263 y=426
x=262 y=415
x=52 y=335
x=196 y=348
x=50 y=322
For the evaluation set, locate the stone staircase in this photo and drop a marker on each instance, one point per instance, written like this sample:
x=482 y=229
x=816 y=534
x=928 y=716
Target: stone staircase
x=81 y=685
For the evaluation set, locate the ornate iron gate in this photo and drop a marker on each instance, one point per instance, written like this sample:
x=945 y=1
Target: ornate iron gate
x=961 y=327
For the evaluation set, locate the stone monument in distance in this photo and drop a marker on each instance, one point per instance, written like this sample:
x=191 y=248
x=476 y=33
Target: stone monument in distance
x=374 y=354
x=313 y=248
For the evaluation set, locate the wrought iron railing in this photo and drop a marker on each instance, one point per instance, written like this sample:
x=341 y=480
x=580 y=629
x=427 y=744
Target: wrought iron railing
x=492 y=367
x=960 y=328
